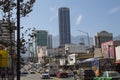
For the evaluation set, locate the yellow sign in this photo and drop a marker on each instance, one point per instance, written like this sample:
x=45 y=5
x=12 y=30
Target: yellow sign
x=3 y=58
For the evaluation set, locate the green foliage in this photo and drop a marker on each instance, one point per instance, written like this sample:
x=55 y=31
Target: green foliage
x=8 y=9
x=8 y=6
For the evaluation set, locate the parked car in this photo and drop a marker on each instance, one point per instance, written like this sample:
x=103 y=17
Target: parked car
x=32 y=72
x=45 y=75
x=23 y=71
x=87 y=74
x=109 y=75
x=62 y=74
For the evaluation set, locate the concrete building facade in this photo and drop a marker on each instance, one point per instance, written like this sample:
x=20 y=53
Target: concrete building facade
x=4 y=32
x=102 y=37
x=108 y=49
x=40 y=38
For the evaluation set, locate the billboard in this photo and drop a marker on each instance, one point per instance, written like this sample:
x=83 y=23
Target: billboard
x=4 y=58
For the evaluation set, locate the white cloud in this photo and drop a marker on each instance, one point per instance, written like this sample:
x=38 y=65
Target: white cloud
x=52 y=9
x=78 y=20
x=115 y=10
x=53 y=17
x=54 y=14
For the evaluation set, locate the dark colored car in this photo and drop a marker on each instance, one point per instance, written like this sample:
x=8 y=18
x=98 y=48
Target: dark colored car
x=62 y=74
x=88 y=74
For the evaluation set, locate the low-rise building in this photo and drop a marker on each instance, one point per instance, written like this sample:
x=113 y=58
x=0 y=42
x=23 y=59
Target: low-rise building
x=41 y=53
x=117 y=49
x=75 y=48
x=108 y=49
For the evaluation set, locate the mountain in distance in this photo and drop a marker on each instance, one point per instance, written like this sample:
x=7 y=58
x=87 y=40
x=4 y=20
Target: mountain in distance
x=117 y=37
x=74 y=40
x=77 y=40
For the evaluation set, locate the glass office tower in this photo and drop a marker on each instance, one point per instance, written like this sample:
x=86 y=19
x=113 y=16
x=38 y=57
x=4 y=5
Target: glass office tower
x=64 y=26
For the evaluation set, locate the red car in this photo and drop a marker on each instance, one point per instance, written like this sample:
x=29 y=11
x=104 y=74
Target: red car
x=62 y=74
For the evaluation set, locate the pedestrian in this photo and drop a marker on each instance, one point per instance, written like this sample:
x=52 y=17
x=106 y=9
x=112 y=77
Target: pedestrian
x=9 y=74
x=3 y=75
x=75 y=74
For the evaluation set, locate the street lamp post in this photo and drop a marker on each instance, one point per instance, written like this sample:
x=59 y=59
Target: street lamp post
x=87 y=36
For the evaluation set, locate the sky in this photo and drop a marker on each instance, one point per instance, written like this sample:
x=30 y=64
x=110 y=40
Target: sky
x=90 y=16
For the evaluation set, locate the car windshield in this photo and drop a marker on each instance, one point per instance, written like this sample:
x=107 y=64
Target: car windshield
x=45 y=73
x=113 y=74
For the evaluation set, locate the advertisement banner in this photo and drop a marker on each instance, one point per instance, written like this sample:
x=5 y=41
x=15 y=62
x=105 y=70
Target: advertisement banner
x=3 y=58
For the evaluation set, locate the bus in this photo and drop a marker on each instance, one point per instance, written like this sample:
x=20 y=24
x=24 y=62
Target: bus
x=98 y=65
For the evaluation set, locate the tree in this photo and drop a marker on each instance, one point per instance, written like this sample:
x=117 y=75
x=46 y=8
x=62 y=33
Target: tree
x=8 y=8
x=8 y=11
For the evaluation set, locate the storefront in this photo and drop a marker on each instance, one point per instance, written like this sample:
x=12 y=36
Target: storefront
x=118 y=66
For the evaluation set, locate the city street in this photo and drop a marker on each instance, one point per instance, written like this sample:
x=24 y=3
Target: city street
x=37 y=77
x=67 y=39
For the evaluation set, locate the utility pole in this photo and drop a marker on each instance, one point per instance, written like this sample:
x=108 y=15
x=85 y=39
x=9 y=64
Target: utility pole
x=18 y=39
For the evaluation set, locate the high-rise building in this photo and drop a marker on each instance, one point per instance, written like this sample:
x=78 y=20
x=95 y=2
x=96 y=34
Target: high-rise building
x=4 y=32
x=49 y=41
x=41 y=37
x=102 y=37
x=64 y=26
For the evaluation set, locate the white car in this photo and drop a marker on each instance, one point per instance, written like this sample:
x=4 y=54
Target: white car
x=45 y=75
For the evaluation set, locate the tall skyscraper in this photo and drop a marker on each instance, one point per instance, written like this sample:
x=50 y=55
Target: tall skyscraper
x=64 y=26
x=49 y=41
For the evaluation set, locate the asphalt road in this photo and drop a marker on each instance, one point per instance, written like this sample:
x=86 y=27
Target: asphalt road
x=37 y=77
